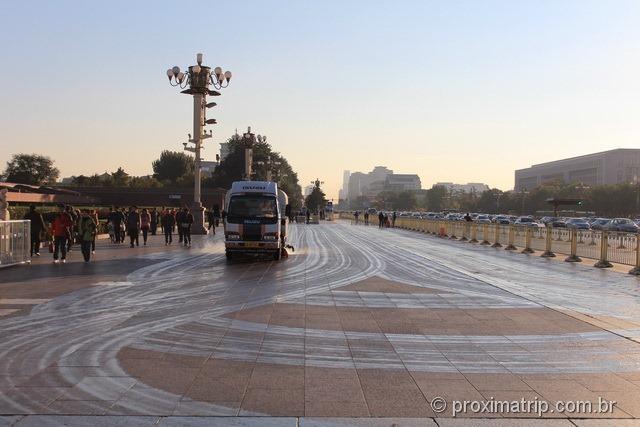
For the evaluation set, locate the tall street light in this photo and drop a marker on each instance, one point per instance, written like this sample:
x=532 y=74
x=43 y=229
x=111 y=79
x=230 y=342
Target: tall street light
x=196 y=81
x=249 y=140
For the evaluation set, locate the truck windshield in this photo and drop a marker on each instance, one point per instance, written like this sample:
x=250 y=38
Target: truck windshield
x=252 y=207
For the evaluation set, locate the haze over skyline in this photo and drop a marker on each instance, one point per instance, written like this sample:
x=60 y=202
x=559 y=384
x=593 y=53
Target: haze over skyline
x=459 y=92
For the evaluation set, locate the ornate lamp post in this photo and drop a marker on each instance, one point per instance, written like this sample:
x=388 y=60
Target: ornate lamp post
x=249 y=140
x=196 y=82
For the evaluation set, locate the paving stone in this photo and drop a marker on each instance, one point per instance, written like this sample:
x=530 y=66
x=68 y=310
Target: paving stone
x=379 y=422
x=226 y=422
x=82 y=421
x=8 y=421
x=450 y=422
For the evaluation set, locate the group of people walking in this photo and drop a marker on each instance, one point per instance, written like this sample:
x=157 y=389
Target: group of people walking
x=131 y=223
x=385 y=220
x=68 y=226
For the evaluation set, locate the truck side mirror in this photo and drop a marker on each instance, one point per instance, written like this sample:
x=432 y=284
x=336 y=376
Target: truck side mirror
x=287 y=210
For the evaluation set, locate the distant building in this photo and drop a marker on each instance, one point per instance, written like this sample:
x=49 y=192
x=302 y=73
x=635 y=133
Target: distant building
x=207 y=168
x=471 y=187
x=359 y=182
x=224 y=150
x=344 y=191
x=402 y=182
x=607 y=167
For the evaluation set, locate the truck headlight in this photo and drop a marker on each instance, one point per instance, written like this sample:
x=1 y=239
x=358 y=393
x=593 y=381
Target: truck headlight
x=233 y=237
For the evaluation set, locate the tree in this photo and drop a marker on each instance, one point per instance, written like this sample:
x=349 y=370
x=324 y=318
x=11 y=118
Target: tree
x=120 y=178
x=32 y=169
x=435 y=198
x=265 y=162
x=172 y=165
x=316 y=200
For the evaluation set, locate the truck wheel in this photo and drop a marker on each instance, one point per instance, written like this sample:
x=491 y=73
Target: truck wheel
x=277 y=255
x=229 y=255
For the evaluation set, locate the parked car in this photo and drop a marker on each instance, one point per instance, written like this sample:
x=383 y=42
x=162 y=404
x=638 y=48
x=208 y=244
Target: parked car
x=578 y=224
x=599 y=223
x=523 y=220
x=502 y=219
x=483 y=219
x=558 y=223
x=621 y=224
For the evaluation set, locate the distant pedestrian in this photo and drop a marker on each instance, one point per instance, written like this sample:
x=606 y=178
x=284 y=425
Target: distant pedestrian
x=356 y=215
x=71 y=236
x=115 y=219
x=468 y=218
x=96 y=218
x=167 y=221
x=154 y=220
x=211 y=219
x=307 y=214
x=37 y=228
x=133 y=226
x=186 y=221
x=123 y=225
x=366 y=217
x=60 y=229
x=145 y=224
x=216 y=215
x=393 y=219
x=87 y=230
x=380 y=219
x=179 y=220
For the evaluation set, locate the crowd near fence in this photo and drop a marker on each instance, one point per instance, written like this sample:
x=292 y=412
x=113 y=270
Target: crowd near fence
x=606 y=247
x=15 y=241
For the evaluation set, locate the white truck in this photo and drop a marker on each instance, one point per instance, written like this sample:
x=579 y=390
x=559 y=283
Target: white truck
x=256 y=220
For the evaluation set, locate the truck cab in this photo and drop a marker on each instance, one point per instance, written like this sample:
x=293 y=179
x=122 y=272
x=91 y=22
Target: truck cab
x=256 y=219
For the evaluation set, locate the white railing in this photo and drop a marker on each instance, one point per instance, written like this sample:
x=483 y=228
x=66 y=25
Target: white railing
x=15 y=241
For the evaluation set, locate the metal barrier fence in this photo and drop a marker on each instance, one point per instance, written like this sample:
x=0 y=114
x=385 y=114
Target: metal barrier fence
x=604 y=246
x=15 y=241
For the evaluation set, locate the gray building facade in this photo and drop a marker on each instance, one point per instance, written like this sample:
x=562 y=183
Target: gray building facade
x=607 y=167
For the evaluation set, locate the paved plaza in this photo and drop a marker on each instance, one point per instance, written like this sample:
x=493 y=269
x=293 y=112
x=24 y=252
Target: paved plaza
x=358 y=327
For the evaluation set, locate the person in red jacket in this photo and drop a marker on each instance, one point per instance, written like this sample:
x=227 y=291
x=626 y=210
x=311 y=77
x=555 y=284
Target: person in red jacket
x=60 y=230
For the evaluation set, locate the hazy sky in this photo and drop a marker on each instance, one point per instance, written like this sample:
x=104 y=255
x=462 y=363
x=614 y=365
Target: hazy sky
x=452 y=90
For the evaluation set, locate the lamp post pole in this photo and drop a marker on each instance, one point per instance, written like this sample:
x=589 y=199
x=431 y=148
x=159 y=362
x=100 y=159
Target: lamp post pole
x=198 y=78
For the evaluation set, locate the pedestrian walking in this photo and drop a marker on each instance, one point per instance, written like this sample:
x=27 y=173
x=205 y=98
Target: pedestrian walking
x=123 y=224
x=186 y=220
x=71 y=236
x=96 y=218
x=37 y=228
x=154 y=221
x=380 y=219
x=133 y=226
x=179 y=220
x=60 y=230
x=216 y=215
x=87 y=228
x=356 y=215
x=168 y=221
x=115 y=219
x=366 y=218
x=145 y=224
x=393 y=219
x=212 y=221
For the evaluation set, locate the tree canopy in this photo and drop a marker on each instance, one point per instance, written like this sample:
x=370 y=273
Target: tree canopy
x=316 y=200
x=32 y=169
x=172 y=166
x=266 y=162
